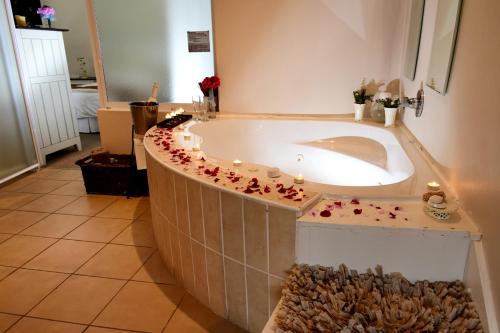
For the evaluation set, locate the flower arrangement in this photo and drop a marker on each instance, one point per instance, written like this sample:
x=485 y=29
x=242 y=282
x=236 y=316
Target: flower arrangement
x=389 y=102
x=360 y=96
x=47 y=13
x=209 y=83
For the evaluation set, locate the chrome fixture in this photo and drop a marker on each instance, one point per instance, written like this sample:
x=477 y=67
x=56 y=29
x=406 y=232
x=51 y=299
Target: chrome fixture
x=416 y=103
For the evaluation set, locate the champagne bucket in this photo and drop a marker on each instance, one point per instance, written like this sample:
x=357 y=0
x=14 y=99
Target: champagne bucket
x=144 y=116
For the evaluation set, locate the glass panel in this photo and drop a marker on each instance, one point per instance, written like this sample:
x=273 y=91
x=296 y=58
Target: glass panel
x=414 y=32
x=443 y=44
x=16 y=149
x=146 y=41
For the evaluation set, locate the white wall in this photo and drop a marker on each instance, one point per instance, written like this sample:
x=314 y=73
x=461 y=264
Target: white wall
x=71 y=14
x=461 y=129
x=303 y=56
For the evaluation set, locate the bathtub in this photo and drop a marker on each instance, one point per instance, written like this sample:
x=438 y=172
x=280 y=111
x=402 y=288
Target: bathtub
x=324 y=152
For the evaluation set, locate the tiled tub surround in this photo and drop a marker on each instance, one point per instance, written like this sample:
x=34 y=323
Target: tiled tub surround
x=229 y=240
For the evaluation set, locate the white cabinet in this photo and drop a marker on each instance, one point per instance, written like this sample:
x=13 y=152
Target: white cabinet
x=48 y=86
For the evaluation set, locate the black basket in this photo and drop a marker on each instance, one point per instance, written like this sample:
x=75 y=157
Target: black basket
x=118 y=175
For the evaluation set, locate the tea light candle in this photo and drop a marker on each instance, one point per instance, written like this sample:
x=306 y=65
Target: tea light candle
x=299 y=179
x=196 y=147
x=433 y=186
x=187 y=136
x=181 y=127
x=237 y=163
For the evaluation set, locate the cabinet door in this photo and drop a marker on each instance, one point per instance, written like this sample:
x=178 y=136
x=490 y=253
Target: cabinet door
x=46 y=72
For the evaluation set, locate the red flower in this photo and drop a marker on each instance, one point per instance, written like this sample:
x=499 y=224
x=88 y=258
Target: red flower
x=209 y=83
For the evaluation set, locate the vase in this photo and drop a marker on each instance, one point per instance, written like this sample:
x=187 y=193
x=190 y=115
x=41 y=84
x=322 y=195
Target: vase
x=209 y=105
x=390 y=116
x=359 y=110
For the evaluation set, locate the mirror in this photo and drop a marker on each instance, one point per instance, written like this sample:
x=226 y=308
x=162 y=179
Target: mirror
x=443 y=44
x=413 y=41
x=146 y=41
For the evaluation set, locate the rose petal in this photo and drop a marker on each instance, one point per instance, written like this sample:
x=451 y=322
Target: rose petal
x=358 y=211
x=325 y=213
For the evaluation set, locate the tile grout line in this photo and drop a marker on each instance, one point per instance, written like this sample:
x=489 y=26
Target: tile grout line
x=222 y=256
x=178 y=231
x=189 y=237
x=268 y=264
x=204 y=246
x=245 y=260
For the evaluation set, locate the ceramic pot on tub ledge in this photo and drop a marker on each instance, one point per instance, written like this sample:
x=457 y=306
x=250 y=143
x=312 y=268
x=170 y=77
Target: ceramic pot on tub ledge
x=390 y=116
x=359 y=110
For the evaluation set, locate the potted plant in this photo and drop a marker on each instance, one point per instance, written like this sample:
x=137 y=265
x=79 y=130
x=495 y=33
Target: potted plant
x=391 y=106
x=360 y=98
x=210 y=89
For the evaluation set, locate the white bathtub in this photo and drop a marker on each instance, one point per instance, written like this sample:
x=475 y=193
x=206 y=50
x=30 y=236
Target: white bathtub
x=335 y=152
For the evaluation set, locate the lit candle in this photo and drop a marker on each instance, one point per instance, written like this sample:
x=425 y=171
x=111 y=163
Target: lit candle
x=433 y=186
x=187 y=136
x=299 y=179
x=181 y=127
x=237 y=163
x=196 y=147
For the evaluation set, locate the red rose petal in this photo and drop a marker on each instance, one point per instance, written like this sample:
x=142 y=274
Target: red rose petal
x=358 y=211
x=325 y=213
x=392 y=215
x=355 y=201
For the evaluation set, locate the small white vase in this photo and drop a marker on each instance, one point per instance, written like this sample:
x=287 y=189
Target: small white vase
x=359 y=110
x=390 y=116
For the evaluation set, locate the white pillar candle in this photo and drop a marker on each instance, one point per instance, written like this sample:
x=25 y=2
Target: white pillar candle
x=299 y=179
x=196 y=147
x=237 y=163
x=433 y=186
x=187 y=136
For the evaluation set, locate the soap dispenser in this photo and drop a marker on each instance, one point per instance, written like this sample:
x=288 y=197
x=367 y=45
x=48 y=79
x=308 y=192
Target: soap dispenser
x=377 y=109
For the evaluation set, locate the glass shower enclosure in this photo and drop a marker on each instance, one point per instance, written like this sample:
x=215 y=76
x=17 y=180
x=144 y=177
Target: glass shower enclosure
x=17 y=148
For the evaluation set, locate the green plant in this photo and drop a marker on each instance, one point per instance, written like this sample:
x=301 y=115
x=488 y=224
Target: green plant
x=389 y=102
x=360 y=96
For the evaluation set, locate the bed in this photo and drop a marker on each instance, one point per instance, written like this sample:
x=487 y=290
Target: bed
x=85 y=103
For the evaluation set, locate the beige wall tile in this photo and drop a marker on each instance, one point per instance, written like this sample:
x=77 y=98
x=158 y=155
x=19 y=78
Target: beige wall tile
x=176 y=254
x=281 y=240
x=236 y=296
x=141 y=306
x=65 y=256
x=232 y=224
x=187 y=263
x=195 y=213
x=166 y=194
x=35 y=325
x=162 y=236
x=255 y=234
x=23 y=289
x=215 y=265
x=152 y=166
x=181 y=203
x=18 y=250
x=200 y=273
x=258 y=300
x=17 y=221
x=275 y=286
x=211 y=218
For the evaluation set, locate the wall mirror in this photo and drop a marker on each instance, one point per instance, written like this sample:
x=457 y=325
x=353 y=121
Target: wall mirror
x=413 y=39
x=146 y=41
x=443 y=44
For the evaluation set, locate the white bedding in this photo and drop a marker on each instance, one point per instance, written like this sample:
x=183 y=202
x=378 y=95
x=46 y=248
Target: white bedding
x=86 y=102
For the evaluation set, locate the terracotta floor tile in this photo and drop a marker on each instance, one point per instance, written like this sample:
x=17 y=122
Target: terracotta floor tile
x=72 y=188
x=66 y=175
x=6 y=321
x=45 y=173
x=141 y=306
x=23 y=289
x=78 y=300
x=65 y=256
x=55 y=225
x=17 y=184
x=17 y=221
x=89 y=205
x=42 y=186
x=99 y=229
x=17 y=250
x=124 y=208
x=49 y=203
x=139 y=233
x=13 y=200
x=4 y=212
x=116 y=261
x=193 y=317
x=4 y=271
x=93 y=329
x=35 y=325
x=154 y=270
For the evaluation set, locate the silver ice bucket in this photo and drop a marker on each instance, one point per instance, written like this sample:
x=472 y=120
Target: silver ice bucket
x=144 y=116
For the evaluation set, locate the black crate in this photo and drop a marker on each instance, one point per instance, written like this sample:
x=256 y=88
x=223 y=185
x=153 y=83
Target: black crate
x=117 y=175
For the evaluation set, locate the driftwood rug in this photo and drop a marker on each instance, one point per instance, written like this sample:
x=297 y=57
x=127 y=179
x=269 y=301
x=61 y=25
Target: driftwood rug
x=321 y=299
